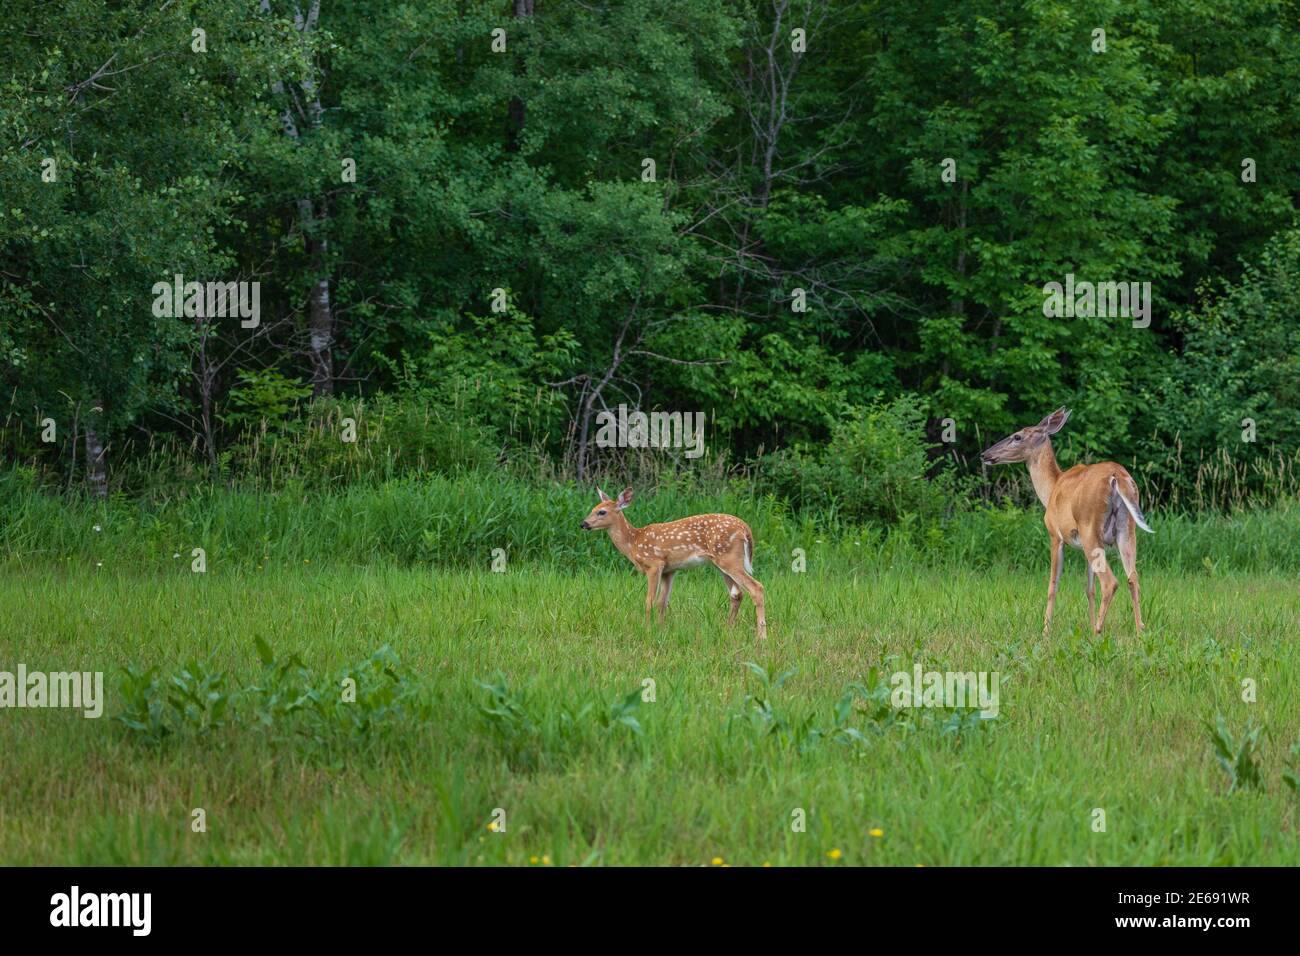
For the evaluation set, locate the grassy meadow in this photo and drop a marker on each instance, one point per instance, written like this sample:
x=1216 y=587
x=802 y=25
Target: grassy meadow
x=587 y=772
x=322 y=324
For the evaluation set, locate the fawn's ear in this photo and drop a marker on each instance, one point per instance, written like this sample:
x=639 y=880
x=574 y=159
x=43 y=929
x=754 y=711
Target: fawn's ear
x=1053 y=422
x=603 y=496
x=625 y=499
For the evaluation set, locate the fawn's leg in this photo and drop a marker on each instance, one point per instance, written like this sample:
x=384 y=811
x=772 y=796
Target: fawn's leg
x=652 y=585
x=733 y=566
x=750 y=584
x=665 y=592
x=733 y=591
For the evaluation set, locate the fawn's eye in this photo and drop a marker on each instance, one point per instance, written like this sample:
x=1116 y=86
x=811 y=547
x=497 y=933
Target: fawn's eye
x=600 y=512
x=1015 y=438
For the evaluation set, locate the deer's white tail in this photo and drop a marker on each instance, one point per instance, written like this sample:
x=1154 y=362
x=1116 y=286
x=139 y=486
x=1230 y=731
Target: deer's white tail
x=749 y=550
x=1132 y=507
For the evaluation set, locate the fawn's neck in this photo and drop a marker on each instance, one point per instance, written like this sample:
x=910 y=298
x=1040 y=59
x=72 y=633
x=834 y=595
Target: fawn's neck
x=623 y=535
x=1043 y=472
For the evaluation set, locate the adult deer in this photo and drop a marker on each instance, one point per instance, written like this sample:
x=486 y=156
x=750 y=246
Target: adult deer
x=1091 y=507
x=659 y=551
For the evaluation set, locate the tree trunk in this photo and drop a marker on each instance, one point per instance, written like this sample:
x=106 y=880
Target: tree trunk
x=515 y=111
x=959 y=300
x=584 y=430
x=96 y=475
x=207 y=387
x=321 y=323
x=314 y=220
x=322 y=339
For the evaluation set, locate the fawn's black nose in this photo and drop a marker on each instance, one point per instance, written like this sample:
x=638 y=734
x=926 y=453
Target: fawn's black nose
x=585 y=526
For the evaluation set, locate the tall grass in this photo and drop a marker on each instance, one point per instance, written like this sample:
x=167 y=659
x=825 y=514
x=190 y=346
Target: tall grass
x=459 y=520
x=1220 y=481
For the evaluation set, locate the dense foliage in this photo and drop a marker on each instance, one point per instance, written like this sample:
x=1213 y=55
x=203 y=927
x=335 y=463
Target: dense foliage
x=841 y=241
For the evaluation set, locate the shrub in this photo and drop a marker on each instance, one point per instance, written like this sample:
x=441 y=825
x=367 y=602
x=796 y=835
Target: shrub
x=876 y=467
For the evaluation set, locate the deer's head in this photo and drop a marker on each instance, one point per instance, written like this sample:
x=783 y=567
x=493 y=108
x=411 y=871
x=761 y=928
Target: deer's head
x=1024 y=444
x=602 y=516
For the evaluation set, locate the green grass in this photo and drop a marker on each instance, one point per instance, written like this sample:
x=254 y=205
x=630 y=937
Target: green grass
x=1120 y=724
x=458 y=520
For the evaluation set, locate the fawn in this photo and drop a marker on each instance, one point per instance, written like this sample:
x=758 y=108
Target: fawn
x=1090 y=507
x=659 y=551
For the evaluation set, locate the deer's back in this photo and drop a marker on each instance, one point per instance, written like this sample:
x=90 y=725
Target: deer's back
x=700 y=535
x=1081 y=497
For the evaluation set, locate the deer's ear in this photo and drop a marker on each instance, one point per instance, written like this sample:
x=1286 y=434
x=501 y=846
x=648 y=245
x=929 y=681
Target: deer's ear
x=625 y=499
x=1055 y=421
x=603 y=496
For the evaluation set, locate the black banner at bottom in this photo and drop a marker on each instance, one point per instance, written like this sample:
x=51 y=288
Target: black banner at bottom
x=230 y=905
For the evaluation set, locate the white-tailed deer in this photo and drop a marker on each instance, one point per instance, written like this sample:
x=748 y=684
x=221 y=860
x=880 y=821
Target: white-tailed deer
x=659 y=551
x=1091 y=507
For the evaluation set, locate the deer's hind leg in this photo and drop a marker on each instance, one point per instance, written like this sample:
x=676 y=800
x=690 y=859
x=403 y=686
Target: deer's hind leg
x=1096 y=555
x=665 y=592
x=734 y=592
x=1091 y=589
x=732 y=565
x=1128 y=557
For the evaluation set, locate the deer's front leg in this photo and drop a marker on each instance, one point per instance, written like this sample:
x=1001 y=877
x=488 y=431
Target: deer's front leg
x=1058 y=553
x=652 y=586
